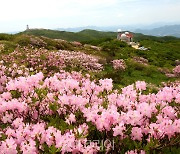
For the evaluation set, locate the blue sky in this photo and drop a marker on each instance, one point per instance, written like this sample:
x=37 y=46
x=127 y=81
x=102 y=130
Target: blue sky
x=16 y=14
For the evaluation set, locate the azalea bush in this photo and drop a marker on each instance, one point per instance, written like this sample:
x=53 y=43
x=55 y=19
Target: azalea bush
x=119 y=64
x=81 y=60
x=70 y=113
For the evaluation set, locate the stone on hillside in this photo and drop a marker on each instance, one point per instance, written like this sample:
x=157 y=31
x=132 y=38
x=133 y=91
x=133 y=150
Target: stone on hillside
x=176 y=71
x=177 y=62
x=77 y=44
x=170 y=75
x=95 y=48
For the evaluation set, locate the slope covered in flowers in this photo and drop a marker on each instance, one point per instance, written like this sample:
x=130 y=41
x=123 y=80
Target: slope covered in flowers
x=69 y=113
x=66 y=97
x=51 y=61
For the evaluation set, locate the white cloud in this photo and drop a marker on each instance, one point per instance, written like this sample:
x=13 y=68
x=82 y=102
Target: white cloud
x=69 y=13
x=28 y=9
x=120 y=15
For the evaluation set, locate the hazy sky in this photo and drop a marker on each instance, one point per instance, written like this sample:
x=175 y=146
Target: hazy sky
x=16 y=14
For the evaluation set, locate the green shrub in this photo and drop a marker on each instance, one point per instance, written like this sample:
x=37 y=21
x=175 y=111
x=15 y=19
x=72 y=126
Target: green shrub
x=8 y=47
x=6 y=37
x=22 y=40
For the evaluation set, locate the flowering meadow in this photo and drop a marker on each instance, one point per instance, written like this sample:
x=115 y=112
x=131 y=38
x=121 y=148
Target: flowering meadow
x=62 y=112
x=59 y=97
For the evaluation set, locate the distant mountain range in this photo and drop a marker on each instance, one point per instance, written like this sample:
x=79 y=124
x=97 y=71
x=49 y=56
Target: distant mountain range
x=105 y=29
x=173 y=30
x=157 y=29
x=169 y=30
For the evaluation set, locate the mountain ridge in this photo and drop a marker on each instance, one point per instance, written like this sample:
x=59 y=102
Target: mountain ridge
x=165 y=30
x=88 y=35
x=172 y=30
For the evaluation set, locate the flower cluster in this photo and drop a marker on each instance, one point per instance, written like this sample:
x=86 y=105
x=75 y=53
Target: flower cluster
x=11 y=72
x=79 y=59
x=3 y=76
x=51 y=62
x=64 y=111
x=36 y=59
x=119 y=64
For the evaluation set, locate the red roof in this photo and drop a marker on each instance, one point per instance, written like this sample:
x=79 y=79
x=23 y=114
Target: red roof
x=129 y=35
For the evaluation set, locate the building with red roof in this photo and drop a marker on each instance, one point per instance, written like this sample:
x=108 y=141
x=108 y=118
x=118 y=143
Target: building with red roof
x=125 y=36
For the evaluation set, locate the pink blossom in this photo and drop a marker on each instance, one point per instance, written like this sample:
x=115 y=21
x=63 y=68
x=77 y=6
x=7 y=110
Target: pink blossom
x=119 y=130
x=106 y=84
x=119 y=64
x=71 y=119
x=136 y=133
x=8 y=146
x=140 y=85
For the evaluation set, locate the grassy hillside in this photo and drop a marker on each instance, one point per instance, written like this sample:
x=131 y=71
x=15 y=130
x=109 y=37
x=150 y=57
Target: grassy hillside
x=10 y=42
x=161 y=55
x=140 y=37
x=84 y=35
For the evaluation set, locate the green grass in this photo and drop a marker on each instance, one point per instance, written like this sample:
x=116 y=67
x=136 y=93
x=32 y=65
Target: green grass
x=161 y=54
x=10 y=42
x=133 y=73
x=8 y=47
